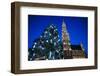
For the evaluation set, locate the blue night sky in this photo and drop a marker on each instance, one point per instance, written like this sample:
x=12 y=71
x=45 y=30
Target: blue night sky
x=77 y=28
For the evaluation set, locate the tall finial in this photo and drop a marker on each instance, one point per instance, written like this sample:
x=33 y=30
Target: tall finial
x=64 y=27
x=63 y=22
x=81 y=46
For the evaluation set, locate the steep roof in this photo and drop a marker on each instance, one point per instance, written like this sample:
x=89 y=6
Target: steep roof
x=76 y=47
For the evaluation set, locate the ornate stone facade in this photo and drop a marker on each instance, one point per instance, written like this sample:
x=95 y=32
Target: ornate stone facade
x=70 y=51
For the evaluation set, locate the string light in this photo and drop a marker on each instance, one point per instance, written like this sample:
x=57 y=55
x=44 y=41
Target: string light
x=57 y=51
x=58 y=35
x=55 y=37
x=33 y=54
x=42 y=42
x=35 y=43
x=51 y=40
x=34 y=46
x=42 y=48
x=41 y=36
x=45 y=32
x=32 y=49
x=56 y=29
x=51 y=26
x=54 y=43
x=58 y=40
x=50 y=34
x=46 y=40
x=44 y=35
x=47 y=37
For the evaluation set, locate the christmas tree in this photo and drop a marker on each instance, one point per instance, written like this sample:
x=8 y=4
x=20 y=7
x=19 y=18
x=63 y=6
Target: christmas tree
x=47 y=47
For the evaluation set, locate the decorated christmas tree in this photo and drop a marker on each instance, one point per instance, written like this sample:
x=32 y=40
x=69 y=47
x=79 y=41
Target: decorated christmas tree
x=47 y=47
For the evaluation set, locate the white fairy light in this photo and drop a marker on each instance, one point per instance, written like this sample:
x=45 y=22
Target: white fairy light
x=54 y=43
x=58 y=35
x=45 y=32
x=44 y=35
x=51 y=40
x=51 y=26
x=35 y=43
x=55 y=37
x=46 y=40
x=34 y=46
x=50 y=34
x=42 y=42
x=58 y=40
x=50 y=53
x=42 y=48
x=41 y=36
x=33 y=54
x=57 y=51
x=56 y=29
x=32 y=49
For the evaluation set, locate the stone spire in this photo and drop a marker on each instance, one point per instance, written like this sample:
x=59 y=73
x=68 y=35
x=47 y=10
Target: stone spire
x=66 y=41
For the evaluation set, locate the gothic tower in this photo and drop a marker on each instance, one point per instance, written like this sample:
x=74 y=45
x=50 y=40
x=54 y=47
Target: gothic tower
x=66 y=42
